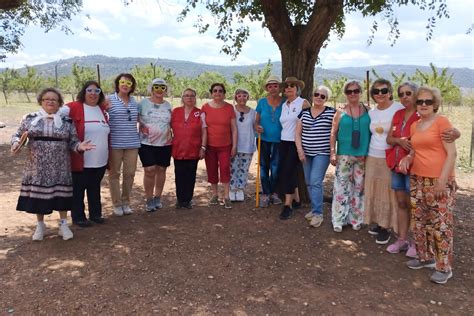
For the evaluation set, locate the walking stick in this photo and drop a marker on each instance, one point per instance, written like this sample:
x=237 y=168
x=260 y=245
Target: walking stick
x=257 y=187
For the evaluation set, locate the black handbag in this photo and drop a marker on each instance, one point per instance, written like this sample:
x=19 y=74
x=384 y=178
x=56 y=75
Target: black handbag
x=355 y=141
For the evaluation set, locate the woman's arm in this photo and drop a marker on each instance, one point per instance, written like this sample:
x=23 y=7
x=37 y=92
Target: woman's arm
x=403 y=142
x=233 y=128
x=306 y=104
x=299 y=145
x=202 y=152
x=332 y=140
x=258 y=128
x=450 y=135
x=448 y=166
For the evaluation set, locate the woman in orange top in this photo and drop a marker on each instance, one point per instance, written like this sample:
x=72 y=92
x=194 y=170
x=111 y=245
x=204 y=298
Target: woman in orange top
x=221 y=142
x=432 y=186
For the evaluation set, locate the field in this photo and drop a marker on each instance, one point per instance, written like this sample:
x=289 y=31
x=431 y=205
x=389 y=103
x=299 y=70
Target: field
x=207 y=261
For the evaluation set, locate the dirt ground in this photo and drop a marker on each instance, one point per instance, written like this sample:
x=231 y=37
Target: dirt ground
x=209 y=260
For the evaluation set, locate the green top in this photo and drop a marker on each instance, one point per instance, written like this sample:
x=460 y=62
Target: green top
x=344 y=135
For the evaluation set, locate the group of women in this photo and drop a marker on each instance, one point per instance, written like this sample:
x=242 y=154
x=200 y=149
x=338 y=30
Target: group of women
x=381 y=155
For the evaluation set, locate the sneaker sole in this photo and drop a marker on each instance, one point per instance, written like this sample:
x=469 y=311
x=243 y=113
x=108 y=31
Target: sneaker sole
x=445 y=281
x=373 y=233
x=382 y=242
x=428 y=266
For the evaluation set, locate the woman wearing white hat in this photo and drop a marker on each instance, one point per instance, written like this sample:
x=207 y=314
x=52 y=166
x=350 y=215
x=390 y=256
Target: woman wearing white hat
x=267 y=124
x=154 y=117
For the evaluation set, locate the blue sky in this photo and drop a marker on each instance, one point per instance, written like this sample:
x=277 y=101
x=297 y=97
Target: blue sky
x=148 y=28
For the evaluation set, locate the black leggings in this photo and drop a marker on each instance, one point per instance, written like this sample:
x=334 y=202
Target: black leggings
x=288 y=167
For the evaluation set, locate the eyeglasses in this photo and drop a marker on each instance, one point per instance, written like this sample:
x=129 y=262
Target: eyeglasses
x=91 y=90
x=353 y=91
x=50 y=100
x=129 y=114
x=427 y=102
x=272 y=85
x=322 y=96
x=159 y=87
x=126 y=83
x=241 y=118
x=290 y=85
x=402 y=94
x=380 y=91
x=217 y=90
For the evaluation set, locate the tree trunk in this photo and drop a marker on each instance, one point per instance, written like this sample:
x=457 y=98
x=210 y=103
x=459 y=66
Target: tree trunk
x=27 y=96
x=5 y=96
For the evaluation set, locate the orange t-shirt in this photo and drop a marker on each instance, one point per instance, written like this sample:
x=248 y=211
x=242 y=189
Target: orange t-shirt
x=430 y=154
x=219 y=132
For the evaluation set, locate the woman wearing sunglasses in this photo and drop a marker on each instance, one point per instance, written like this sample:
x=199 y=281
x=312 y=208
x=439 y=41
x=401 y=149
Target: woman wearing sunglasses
x=313 y=132
x=350 y=131
x=154 y=117
x=289 y=162
x=381 y=205
x=88 y=169
x=399 y=140
x=124 y=142
x=240 y=163
x=431 y=163
x=267 y=124
x=221 y=143
x=189 y=146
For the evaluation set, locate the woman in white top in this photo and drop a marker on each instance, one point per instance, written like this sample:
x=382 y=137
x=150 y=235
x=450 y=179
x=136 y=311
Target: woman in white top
x=289 y=161
x=380 y=202
x=240 y=163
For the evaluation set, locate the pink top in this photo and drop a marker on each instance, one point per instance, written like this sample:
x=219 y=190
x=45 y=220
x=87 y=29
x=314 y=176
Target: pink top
x=219 y=132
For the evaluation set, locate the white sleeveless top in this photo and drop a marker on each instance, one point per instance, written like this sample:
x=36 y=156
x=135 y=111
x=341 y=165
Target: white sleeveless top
x=289 y=118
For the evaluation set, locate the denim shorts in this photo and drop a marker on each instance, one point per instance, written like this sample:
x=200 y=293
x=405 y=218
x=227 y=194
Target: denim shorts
x=400 y=182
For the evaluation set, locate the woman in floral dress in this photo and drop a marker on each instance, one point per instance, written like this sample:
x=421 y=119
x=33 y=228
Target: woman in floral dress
x=47 y=180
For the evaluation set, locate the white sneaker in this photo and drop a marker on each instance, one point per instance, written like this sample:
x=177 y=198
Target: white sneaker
x=39 y=232
x=65 y=231
x=240 y=196
x=309 y=215
x=118 y=211
x=316 y=221
x=127 y=210
x=233 y=195
x=337 y=228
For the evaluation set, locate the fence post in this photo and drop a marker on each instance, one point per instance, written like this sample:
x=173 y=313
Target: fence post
x=98 y=74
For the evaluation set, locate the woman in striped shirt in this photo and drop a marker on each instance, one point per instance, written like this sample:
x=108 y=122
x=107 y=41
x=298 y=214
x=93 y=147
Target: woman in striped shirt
x=313 y=133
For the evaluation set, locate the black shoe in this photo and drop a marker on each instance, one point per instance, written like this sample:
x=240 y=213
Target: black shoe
x=286 y=213
x=375 y=230
x=178 y=205
x=98 y=220
x=295 y=205
x=383 y=237
x=187 y=205
x=84 y=223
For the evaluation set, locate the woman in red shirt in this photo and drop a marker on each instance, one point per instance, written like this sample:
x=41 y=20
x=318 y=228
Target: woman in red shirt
x=221 y=142
x=188 y=146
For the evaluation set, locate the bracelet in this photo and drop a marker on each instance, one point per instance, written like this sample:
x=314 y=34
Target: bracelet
x=203 y=147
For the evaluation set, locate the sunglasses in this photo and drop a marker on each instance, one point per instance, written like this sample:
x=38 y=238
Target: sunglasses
x=126 y=83
x=322 y=96
x=218 y=91
x=380 y=91
x=402 y=94
x=272 y=85
x=353 y=91
x=159 y=87
x=91 y=90
x=241 y=118
x=290 y=85
x=427 y=102
x=129 y=114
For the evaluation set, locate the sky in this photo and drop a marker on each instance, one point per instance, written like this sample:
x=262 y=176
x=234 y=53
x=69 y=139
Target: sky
x=149 y=28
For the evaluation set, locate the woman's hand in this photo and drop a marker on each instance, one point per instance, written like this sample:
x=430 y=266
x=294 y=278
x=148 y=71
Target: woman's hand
x=14 y=147
x=404 y=142
x=450 y=135
x=301 y=154
x=404 y=164
x=333 y=159
x=259 y=129
x=440 y=190
x=233 y=152
x=202 y=153
x=143 y=129
x=85 y=146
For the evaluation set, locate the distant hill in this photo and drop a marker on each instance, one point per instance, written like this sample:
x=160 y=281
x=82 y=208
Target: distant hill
x=111 y=66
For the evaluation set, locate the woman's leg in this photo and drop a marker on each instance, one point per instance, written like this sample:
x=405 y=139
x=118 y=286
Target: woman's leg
x=115 y=163
x=341 y=202
x=93 y=191
x=129 y=168
x=149 y=181
x=356 y=193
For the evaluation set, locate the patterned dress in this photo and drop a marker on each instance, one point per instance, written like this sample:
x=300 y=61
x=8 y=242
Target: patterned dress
x=47 y=180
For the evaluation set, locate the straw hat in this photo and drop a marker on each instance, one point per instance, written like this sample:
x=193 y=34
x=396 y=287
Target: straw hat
x=293 y=80
x=272 y=79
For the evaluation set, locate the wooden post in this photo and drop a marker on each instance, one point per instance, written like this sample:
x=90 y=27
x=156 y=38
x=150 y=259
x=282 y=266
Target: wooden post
x=472 y=136
x=98 y=74
x=368 y=87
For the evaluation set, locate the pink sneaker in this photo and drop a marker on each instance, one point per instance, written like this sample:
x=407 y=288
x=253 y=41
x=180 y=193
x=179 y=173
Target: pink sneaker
x=398 y=246
x=411 y=252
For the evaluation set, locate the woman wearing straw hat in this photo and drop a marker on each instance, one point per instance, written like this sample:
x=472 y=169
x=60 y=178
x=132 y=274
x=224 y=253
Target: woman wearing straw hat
x=288 y=154
x=267 y=124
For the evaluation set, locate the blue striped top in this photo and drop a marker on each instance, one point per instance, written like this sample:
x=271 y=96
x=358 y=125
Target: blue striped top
x=123 y=123
x=316 y=131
